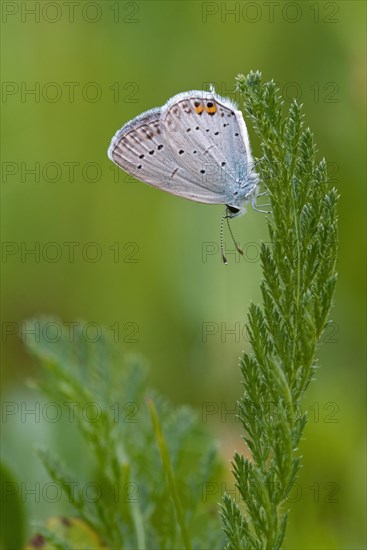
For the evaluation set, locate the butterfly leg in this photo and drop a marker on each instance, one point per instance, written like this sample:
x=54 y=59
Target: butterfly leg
x=261 y=211
x=253 y=204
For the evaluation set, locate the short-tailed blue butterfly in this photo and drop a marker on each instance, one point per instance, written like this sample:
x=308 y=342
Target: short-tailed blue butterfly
x=196 y=146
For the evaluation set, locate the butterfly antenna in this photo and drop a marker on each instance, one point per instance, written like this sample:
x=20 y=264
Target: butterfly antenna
x=238 y=248
x=224 y=259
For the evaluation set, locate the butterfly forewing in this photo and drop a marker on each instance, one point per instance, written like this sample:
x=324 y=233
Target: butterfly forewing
x=134 y=145
x=141 y=149
x=195 y=146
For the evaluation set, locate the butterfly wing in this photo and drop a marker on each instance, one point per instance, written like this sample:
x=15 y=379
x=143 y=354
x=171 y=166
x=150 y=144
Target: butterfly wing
x=141 y=148
x=208 y=137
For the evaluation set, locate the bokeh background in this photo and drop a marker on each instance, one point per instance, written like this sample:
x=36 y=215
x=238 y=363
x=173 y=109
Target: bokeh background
x=148 y=262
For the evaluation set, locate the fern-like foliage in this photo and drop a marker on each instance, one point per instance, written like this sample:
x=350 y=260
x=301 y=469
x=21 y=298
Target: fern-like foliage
x=152 y=460
x=136 y=505
x=299 y=275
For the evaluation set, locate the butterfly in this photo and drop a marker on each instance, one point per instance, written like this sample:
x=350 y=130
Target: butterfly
x=196 y=146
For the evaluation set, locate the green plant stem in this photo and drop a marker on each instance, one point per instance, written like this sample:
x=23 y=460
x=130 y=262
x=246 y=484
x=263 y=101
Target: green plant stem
x=297 y=288
x=134 y=508
x=167 y=466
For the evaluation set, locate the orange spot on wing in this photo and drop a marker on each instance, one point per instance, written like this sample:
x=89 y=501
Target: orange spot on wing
x=211 y=110
x=199 y=109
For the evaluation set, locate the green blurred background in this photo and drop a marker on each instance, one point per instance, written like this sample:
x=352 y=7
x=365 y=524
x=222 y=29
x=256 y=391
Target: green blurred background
x=93 y=67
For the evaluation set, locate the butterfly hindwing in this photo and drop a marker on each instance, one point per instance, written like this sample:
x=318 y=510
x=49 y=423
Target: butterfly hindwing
x=208 y=136
x=195 y=146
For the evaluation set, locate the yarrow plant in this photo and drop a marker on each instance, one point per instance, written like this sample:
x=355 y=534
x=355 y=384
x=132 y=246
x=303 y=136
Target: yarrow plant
x=150 y=461
x=152 y=464
x=299 y=276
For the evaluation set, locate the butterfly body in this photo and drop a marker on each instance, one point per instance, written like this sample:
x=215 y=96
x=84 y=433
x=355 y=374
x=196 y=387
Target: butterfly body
x=196 y=146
